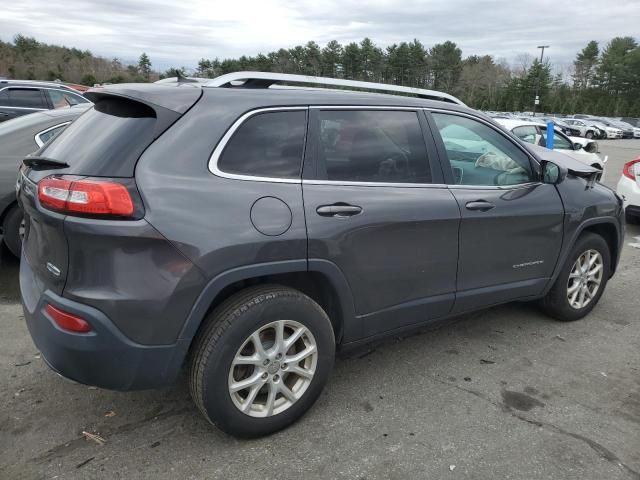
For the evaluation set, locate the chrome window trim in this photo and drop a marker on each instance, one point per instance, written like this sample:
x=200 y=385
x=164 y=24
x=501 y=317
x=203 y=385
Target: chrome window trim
x=24 y=108
x=217 y=152
x=348 y=183
x=493 y=187
x=364 y=107
x=37 y=138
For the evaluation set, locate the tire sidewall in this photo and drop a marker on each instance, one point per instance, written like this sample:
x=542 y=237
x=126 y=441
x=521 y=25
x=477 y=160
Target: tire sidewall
x=216 y=399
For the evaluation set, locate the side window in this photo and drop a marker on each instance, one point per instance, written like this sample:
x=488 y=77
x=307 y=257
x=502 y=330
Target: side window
x=26 y=97
x=527 y=133
x=268 y=144
x=44 y=137
x=61 y=98
x=480 y=155
x=559 y=141
x=74 y=99
x=4 y=97
x=372 y=146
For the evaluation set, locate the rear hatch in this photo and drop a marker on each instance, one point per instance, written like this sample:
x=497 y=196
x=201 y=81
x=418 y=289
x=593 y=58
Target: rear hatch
x=100 y=149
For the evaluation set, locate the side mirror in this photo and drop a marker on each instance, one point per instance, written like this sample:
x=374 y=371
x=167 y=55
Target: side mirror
x=577 y=146
x=552 y=173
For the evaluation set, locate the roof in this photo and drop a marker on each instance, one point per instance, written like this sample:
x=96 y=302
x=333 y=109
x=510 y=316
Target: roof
x=35 y=83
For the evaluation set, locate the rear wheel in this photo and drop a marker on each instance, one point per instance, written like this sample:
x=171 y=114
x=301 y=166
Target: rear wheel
x=13 y=229
x=261 y=361
x=582 y=280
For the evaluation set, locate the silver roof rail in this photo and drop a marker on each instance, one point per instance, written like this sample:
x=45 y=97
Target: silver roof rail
x=266 y=79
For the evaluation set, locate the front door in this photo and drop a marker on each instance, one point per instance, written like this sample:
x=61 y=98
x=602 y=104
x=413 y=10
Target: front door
x=511 y=229
x=376 y=208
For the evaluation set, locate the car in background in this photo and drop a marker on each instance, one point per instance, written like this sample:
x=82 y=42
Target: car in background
x=631 y=121
x=21 y=97
x=610 y=131
x=536 y=134
x=629 y=189
x=619 y=132
x=628 y=130
x=18 y=138
x=568 y=130
x=586 y=130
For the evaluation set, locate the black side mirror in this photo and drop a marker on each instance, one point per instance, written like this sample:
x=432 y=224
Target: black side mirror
x=577 y=146
x=552 y=173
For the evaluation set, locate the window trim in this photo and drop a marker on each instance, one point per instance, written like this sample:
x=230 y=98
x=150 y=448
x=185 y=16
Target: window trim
x=509 y=136
x=217 y=152
x=37 y=136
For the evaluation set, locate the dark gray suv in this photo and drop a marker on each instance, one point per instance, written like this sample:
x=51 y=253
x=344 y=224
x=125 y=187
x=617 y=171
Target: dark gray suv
x=246 y=232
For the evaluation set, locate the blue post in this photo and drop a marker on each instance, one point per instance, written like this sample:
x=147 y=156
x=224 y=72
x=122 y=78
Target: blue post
x=550 y=132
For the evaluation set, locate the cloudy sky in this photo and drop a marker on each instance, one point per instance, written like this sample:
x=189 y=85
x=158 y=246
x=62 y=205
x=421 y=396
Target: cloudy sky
x=179 y=32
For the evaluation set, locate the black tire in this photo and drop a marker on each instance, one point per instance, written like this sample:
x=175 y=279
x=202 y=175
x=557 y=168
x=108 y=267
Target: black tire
x=11 y=230
x=555 y=303
x=226 y=330
x=589 y=135
x=632 y=219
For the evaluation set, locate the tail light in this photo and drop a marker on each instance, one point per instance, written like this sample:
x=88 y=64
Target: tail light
x=89 y=196
x=67 y=321
x=628 y=169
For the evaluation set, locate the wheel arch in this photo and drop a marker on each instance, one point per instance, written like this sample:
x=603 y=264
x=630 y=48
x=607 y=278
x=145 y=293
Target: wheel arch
x=321 y=280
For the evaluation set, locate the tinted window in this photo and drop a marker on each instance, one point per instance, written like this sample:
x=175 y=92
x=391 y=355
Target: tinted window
x=26 y=97
x=106 y=140
x=267 y=145
x=372 y=146
x=480 y=155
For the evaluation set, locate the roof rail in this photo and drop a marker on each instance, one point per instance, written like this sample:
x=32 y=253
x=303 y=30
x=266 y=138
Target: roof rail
x=266 y=79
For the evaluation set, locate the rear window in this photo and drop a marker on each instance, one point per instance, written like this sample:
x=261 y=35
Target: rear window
x=107 y=140
x=267 y=145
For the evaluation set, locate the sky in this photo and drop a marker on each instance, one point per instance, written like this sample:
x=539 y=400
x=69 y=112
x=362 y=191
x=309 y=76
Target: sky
x=178 y=33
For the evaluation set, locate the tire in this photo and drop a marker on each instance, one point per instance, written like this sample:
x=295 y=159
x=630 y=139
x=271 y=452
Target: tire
x=632 y=219
x=11 y=229
x=589 y=135
x=229 y=332
x=556 y=303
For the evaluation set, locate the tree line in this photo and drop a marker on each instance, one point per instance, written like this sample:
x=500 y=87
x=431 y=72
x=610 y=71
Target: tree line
x=605 y=80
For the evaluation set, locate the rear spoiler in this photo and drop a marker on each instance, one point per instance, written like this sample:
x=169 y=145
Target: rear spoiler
x=168 y=102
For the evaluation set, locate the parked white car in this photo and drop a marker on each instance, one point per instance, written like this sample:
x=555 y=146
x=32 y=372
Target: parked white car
x=581 y=149
x=629 y=189
x=586 y=130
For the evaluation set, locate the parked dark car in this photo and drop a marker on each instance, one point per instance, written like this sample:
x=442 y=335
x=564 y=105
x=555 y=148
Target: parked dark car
x=20 y=97
x=247 y=232
x=18 y=138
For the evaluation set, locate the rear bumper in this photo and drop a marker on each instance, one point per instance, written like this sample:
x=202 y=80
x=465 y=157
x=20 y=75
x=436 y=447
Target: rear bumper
x=104 y=357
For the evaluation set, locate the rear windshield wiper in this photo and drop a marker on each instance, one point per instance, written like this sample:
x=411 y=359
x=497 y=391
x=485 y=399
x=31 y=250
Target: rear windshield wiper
x=43 y=163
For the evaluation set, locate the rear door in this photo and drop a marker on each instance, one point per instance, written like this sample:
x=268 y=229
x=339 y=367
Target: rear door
x=511 y=229
x=376 y=207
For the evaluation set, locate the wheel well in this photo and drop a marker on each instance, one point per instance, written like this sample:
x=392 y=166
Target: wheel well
x=313 y=284
x=610 y=234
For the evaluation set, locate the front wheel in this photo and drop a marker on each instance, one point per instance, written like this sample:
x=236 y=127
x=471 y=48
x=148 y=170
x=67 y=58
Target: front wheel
x=581 y=281
x=589 y=135
x=261 y=361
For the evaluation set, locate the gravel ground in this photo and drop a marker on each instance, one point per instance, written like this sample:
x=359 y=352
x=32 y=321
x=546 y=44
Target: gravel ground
x=503 y=393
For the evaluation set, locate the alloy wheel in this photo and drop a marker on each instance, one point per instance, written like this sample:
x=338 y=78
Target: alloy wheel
x=585 y=279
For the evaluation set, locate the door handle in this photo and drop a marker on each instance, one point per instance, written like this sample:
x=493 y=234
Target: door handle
x=338 y=210
x=480 y=205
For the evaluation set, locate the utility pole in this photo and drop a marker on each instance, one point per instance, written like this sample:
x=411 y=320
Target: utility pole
x=537 y=99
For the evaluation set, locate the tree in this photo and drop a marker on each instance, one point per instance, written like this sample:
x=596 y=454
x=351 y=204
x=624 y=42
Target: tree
x=331 y=58
x=446 y=65
x=585 y=64
x=144 y=66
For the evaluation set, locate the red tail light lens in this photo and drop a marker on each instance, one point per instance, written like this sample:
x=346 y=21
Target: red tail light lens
x=628 y=170
x=67 y=321
x=86 y=196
